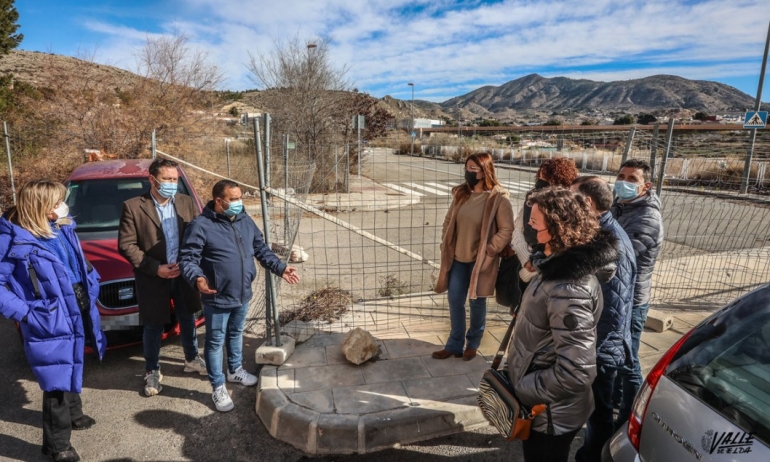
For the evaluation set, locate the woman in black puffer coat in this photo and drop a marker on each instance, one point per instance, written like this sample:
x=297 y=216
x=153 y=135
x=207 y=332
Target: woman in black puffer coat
x=552 y=357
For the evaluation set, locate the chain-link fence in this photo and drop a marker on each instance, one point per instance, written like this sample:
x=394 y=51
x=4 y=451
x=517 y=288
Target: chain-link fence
x=364 y=224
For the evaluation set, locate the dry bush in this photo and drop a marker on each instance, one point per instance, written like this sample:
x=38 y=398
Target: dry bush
x=326 y=304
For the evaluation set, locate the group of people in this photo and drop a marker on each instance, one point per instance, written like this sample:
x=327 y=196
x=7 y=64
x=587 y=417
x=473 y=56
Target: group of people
x=195 y=261
x=587 y=257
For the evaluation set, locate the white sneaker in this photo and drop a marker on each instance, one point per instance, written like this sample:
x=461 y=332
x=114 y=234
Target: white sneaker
x=152 y=382
x=241 y=376
x=196 y=365
x=222 y=399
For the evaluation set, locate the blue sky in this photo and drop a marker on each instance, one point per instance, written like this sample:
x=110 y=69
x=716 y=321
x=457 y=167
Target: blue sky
x=447 y=48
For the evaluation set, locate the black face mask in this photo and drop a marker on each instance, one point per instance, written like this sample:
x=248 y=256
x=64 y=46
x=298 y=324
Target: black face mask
x=470 y=178
x=541 y=183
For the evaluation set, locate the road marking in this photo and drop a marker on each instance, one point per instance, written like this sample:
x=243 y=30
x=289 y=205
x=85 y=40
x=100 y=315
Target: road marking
x=404 y=190
x=439 y=185
x=430 y=190
x=514 y=186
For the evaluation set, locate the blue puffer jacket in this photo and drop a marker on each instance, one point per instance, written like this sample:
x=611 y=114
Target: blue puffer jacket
x=54 y=330
x=223 y=252
x=613 y=337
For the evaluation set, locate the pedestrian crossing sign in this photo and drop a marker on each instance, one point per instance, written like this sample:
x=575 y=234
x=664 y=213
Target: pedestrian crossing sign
x=755 y=119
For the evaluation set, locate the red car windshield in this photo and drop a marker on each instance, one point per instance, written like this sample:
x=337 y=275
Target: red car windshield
x=96 y=205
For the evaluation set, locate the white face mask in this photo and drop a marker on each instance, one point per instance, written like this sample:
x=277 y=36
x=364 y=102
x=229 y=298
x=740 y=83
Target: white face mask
x=62 y=210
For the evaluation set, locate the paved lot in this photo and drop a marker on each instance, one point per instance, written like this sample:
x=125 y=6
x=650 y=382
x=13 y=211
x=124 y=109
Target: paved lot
x=180 y=423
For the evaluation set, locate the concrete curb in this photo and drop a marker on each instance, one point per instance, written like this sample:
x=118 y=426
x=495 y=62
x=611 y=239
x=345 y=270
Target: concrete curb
x=331 y=433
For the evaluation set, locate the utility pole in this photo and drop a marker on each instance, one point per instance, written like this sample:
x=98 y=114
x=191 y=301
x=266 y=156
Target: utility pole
x=757 y=105
x=411 y=128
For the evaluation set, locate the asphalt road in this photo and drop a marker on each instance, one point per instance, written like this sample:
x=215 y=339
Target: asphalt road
x=181 y=423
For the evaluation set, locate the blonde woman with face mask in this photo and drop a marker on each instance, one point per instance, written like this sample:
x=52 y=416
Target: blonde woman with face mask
x=48 y=287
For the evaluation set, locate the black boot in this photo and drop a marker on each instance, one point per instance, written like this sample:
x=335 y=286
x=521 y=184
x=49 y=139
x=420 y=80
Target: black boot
x=68 y=455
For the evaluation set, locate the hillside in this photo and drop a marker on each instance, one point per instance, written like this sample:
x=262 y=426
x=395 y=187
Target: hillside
x=658 y=92
x=531 y=94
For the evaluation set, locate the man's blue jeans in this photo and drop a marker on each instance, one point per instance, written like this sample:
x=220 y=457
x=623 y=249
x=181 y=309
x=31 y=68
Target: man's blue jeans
x=457 y=292
x=631 y=379
x=152 y=333
x=600 y=426
x=224 y=327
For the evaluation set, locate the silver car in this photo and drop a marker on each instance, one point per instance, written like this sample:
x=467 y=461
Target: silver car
x=708 y=398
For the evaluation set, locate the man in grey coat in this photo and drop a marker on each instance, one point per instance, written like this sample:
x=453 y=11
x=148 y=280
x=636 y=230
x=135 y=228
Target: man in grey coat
x=637 y=209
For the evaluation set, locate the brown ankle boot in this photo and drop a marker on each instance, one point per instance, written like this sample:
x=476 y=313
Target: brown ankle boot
x=443 y=354
x=469 y=354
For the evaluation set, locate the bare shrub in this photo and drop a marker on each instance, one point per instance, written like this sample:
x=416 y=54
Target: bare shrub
x=391 y=285
x=326 y=304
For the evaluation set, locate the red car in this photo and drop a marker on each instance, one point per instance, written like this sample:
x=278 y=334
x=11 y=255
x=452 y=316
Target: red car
x=95 y=195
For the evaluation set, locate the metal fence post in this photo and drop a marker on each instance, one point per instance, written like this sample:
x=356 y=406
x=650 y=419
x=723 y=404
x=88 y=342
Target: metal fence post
x=629 y=143
x=347 y=169
x=757 y=105
x=336 y=176
x=669 y=141
x=266 y=118
x=286 y=191
x=10 y=164
x=271 y=307
x=227 y=150
x=154 y=146
x=654 y=149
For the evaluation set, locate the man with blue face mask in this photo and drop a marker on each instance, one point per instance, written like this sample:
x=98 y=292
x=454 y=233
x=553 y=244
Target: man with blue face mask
x=149 y=237
x=637 y=209
x=217 y=257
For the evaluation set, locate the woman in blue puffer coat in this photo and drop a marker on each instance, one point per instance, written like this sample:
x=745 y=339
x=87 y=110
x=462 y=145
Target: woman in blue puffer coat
x=47 y=286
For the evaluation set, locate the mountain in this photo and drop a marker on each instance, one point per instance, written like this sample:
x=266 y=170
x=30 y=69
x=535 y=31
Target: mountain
x=558 y=94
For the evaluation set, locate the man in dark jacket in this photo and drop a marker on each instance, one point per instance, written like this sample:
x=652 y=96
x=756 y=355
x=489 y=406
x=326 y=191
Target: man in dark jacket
x=217 y=257
x=637 y=209
x=613 y=339
x=149 y=237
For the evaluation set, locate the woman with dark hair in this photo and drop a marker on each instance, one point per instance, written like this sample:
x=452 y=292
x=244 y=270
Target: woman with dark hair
x=49 y=288
x=559 y=171
x=552 y=357
x=476 y=229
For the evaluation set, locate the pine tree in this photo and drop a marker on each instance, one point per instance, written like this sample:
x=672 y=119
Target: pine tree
x=9 y=39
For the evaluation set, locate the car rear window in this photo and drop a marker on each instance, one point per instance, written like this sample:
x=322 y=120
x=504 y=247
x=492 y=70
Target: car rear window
x=725 y=363
x=96 y=205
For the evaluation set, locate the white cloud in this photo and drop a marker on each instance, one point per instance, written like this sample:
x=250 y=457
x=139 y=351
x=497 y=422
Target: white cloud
x=444 y=45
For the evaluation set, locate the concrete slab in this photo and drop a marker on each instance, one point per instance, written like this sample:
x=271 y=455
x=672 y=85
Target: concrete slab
x=416 y=346
x=319 y=401
x=453 y=366
x=433 y=389
x=326 y=377
x=304 y=358
x=366 y=399
x=394 y=370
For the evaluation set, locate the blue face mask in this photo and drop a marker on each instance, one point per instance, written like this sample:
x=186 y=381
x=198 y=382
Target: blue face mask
x=235 y=208
x=625 y=190
x=166 y=189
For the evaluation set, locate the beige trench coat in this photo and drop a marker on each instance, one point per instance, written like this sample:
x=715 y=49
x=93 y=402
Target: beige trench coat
x=496 y=231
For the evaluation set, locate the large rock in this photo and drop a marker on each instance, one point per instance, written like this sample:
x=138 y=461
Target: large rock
x=300 y=331
x=359 y=346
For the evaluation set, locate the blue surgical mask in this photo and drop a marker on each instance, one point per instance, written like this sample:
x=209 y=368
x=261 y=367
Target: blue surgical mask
x=625 y=190
x=166 y=189
x=235 y=207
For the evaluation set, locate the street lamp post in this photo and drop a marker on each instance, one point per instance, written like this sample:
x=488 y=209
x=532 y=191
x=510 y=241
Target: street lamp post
x=411 y=131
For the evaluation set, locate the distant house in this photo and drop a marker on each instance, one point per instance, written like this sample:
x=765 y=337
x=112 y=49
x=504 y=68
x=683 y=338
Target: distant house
x=248 y=117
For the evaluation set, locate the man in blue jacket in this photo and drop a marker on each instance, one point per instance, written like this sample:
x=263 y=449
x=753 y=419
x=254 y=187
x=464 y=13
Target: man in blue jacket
x=613 y=336
x=217 y=257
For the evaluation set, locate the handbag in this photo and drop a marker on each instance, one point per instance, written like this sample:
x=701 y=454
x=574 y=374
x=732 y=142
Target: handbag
x=498 y=401
x=507 y=289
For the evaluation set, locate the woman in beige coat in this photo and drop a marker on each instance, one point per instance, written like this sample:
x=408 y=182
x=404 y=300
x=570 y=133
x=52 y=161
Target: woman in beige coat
x=477 y=227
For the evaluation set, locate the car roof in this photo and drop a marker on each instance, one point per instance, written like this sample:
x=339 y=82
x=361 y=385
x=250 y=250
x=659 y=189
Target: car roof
x=121 y=168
